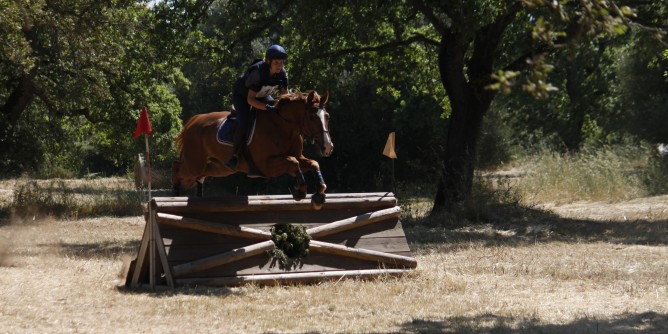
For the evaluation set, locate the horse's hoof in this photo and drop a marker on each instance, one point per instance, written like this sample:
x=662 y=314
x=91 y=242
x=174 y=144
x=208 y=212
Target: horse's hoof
x=317 y=200
x=299 y=192
x=299 y=195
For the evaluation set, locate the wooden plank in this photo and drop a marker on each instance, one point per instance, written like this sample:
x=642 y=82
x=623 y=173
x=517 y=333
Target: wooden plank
x=291 y=278
x=264 y=264
x=211 y=227
x=221 y=259
x=354 y=222
x=362 y=254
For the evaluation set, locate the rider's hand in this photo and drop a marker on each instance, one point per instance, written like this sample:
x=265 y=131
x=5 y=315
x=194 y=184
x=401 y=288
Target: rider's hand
x=270 y=108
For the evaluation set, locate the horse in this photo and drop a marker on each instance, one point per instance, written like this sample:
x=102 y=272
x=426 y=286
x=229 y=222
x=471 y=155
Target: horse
x=275 y=149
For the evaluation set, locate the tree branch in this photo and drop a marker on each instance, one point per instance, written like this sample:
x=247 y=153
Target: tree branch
x=393 y=44
x=431 y=16
x=268 y=21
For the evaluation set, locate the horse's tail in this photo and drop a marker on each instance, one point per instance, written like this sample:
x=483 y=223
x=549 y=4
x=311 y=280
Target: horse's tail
x=180 y=138
x=179 y=142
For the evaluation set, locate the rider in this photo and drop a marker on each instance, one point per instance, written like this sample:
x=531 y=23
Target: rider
x=254 y=89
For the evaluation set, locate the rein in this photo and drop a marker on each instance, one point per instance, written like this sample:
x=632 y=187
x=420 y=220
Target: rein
x=302 y=125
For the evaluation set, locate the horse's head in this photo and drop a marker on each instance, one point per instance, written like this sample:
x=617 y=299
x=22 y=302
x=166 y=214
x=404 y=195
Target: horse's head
x=316 y=123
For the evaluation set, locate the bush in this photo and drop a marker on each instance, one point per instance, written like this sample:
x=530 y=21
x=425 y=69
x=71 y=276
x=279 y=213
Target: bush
x=75 y=199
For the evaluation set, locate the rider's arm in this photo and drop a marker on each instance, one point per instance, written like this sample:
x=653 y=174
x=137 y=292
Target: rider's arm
x=255 y=103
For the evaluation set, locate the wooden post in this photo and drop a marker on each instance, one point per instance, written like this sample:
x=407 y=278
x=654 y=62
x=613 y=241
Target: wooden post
x=141 y=257
x=160 y=248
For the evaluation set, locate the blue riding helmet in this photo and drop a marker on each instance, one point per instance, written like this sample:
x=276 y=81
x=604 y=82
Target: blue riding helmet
x=276 y=52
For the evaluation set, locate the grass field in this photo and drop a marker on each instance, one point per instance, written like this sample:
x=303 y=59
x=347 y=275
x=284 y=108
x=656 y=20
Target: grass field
x=582 y=267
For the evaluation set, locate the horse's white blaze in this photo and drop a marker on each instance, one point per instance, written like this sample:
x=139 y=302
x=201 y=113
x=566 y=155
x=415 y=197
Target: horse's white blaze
x=326 y=139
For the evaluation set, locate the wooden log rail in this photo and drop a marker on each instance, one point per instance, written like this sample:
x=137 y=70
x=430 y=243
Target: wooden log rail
x=368 y=202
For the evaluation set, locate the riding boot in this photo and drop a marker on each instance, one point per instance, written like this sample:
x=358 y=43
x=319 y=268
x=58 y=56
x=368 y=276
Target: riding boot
x=237 y=146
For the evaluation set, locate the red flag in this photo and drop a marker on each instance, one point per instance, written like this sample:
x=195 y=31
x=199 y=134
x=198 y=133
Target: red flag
x=144 y=125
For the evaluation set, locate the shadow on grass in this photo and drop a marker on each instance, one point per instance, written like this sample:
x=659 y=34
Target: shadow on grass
x=647 y=322
x=516 y=225
x=101 y=250
x=164 y=291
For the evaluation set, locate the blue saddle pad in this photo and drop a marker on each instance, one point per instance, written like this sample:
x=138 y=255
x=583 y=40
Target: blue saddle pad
x=225 y=135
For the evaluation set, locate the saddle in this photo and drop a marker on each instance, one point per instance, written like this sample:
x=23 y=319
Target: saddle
x=225 y=136
x=226 y=130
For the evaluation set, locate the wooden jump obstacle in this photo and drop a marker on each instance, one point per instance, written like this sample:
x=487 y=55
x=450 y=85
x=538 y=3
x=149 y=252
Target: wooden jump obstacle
x=224 y=241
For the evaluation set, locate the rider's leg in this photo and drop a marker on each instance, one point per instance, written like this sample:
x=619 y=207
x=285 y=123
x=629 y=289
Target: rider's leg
x=242 y=109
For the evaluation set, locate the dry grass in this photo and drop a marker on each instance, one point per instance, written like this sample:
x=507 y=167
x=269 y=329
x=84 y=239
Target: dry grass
x=557 y=271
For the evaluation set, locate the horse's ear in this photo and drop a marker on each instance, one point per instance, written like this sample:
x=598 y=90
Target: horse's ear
x=309 y=100
x=324 y=99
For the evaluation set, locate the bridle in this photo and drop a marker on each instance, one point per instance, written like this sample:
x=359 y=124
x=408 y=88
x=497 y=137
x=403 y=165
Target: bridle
x=304 y=126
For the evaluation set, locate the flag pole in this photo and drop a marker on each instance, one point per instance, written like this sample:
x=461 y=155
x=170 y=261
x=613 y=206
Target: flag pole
x=392 y=175
x=151 y=228
x=144 y=126
x=148 y=164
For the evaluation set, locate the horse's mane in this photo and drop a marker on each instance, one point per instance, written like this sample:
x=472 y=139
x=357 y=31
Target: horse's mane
x=296 y=96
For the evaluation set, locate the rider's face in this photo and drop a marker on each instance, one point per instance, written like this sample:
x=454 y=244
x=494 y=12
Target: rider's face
x=276 y=65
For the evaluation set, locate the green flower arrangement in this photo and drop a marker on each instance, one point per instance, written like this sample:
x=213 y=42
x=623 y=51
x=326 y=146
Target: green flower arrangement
x=291 y=243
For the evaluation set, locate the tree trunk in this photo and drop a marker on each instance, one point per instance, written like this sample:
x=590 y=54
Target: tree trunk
x=572 y=136
x=469 y=102
x=19 y=100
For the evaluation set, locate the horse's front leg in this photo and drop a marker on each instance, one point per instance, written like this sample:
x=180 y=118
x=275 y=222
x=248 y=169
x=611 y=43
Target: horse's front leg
x=288 y=165
x=318 y=198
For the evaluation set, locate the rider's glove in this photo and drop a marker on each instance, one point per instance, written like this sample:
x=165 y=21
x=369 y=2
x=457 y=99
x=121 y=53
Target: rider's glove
x=270 y=108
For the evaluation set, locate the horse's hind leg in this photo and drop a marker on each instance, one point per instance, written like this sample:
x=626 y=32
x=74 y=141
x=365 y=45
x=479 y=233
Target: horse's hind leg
x=176 y=179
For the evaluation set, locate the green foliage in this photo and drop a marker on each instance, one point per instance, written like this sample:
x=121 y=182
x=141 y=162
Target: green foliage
x=344 y=49
x=87 y=67
x=642 y=90
x=84 y=68
x=291 y=244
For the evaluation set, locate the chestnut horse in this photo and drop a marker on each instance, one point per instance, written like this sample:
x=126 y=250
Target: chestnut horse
x=275 y=149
